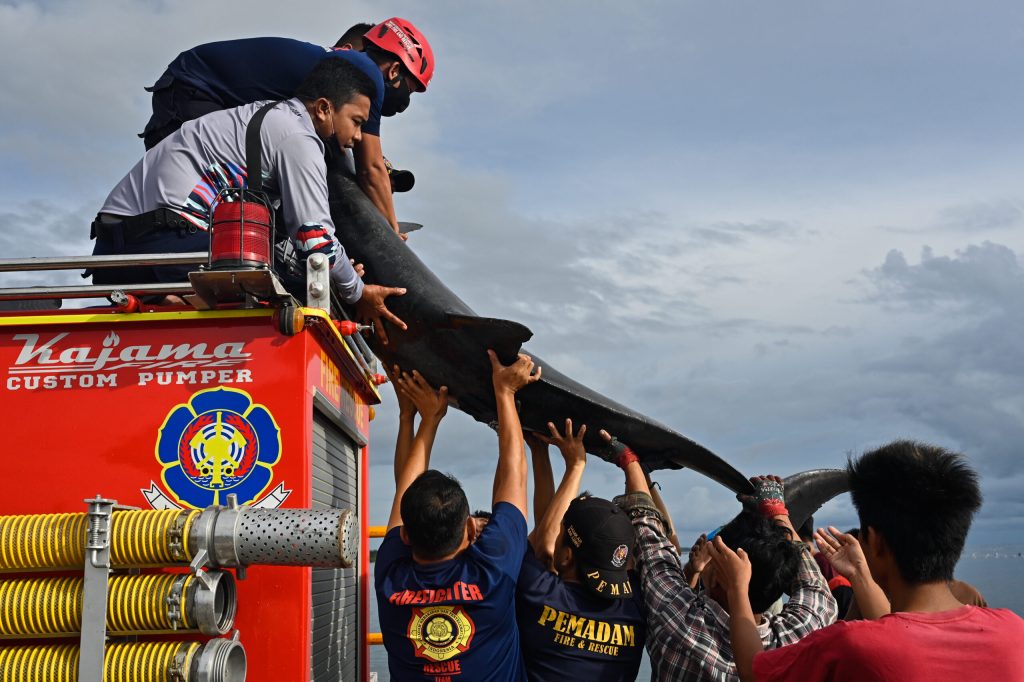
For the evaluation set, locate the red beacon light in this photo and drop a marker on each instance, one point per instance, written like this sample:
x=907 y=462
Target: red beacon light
x=242 y=229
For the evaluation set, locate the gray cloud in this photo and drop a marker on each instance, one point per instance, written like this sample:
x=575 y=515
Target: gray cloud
x=732 y=233
x=1002 y=214
x=965 y=382
x=983 y=275
x=44 y=228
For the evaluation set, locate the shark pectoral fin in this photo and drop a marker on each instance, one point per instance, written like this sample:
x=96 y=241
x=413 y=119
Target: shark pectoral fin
x=504 y=336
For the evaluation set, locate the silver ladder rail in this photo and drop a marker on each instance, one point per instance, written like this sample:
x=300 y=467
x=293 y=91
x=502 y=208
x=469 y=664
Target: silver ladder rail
x=96 y=262
x=319 y=294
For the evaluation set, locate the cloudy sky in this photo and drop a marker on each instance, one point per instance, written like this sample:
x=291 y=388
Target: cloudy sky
x=789 y=230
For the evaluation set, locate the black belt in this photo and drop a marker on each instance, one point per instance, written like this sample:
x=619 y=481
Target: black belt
x=138 y=228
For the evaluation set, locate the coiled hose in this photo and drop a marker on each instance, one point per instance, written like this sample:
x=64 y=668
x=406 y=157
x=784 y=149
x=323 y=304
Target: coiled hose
x=136 y=603
x=56 y=541
x=134 y=662
x=42 y=541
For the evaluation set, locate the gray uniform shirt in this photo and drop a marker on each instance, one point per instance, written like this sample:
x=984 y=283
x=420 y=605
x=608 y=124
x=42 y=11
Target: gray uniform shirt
x=187 y=170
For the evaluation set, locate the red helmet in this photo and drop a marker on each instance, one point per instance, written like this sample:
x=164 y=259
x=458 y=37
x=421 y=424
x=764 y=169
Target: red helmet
x=402 y=39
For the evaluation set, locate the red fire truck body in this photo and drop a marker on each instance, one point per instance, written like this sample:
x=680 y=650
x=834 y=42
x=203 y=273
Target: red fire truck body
x=179 y=408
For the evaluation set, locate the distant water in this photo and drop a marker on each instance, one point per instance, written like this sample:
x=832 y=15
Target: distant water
x=996 y=571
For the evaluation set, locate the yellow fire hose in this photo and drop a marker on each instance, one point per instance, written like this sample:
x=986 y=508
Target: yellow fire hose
x=134 y=662
x=57 y=541
x=136 y=603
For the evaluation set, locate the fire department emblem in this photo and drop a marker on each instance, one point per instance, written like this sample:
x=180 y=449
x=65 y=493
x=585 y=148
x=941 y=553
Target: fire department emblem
x=217 y=444
x=619 y=556
x=440 y=632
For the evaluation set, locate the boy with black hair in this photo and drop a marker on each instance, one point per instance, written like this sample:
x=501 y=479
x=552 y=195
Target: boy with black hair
x=915 y=502
x=579 y=609
x=445 y=590
x=687 y=629
x=164 y=203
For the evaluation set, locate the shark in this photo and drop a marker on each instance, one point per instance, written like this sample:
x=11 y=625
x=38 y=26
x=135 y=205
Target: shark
x=446 y=341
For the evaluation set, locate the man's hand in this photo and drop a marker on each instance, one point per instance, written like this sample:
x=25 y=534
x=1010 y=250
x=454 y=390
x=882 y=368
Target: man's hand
x=732 y=569
x=570 y=446
x=432 y=405
x=768 y=499
x=616 y=452
x=847 y=557
x=406 y=406
x=513 y=377
x=843 y=551
x=371 y=308
x=537 y=443
x=699 y=556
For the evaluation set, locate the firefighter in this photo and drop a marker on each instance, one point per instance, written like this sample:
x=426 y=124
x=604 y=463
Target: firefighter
x=220 y=75
x=164 y=203
x=445 y=587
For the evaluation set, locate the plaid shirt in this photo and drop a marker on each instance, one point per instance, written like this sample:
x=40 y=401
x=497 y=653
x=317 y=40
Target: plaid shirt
x=688 y=632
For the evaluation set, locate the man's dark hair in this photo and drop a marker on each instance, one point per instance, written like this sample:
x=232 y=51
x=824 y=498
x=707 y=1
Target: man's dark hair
x=354 y=35
x=434 y=512
x=338 y=81
x=921 y=498
x=774 y=558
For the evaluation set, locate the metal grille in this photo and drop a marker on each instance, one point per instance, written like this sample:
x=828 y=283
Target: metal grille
x=335 y=591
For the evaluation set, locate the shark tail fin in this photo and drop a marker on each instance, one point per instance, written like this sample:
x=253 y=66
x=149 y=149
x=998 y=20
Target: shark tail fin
x=505 y=337
x=807 y=491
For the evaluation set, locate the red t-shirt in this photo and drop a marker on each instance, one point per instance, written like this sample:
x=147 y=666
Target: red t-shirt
x=968 y=643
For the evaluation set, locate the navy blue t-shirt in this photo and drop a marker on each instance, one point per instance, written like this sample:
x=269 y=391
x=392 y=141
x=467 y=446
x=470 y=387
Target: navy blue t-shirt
x=453 y=620
x=567 y=633
x=237 y=72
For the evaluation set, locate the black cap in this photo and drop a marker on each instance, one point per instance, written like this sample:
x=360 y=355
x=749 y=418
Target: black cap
x=601 y=537
x=401 y=180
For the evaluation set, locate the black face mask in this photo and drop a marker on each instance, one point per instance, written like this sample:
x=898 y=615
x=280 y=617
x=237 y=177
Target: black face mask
x=396 y=97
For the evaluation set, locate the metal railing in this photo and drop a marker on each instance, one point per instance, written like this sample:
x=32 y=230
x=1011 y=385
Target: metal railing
x=93 y=263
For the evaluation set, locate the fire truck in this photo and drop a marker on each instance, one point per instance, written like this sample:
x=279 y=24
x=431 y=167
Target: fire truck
x=184 y=487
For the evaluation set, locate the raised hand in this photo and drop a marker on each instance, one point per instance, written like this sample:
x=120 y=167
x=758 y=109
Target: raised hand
x=406 y=406
x=537 y=442
x=769 y=497
x=843 y=551
x=371 y=308
x=429 y=403
x=615 y=451
x=699 y=555
x=570 y=446
x=512 y=377
x=732 y=569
